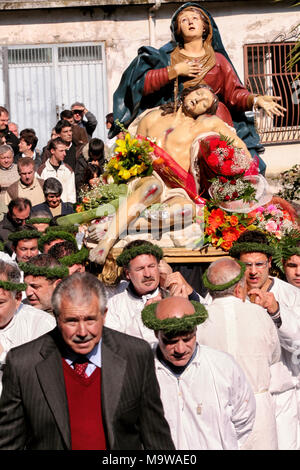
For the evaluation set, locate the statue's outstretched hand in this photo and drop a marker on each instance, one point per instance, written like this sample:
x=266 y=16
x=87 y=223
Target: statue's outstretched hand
x=269 y=105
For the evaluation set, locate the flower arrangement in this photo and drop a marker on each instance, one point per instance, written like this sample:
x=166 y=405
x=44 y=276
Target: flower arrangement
x=221 y=228
x=131 y=158
x=233 y=169
x=226 y=159
x=274 y=221
x=232 y=189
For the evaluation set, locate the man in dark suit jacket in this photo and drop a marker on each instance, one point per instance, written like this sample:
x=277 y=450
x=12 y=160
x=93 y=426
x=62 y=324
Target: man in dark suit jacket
x=47 y=405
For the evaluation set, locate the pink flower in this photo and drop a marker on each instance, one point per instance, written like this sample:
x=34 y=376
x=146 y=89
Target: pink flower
x=271 y=226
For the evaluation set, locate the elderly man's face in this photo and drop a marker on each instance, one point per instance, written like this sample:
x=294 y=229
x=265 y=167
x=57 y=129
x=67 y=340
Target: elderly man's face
x=8 y=306
x=144 y=274
x=177 y=350
x=39 y=291
x=292 y=270
x=26 y=249
x=13 y=128
x=6 y=160
x=27 y=174
x=77 y=113
x=81 y=324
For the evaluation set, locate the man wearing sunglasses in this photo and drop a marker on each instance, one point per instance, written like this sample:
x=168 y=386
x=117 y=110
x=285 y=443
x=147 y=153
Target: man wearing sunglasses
x=18 y=212
x=281 y=301
x=84 y=118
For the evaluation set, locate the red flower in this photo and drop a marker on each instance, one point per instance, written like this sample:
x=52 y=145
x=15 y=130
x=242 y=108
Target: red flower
x=226 y=246
x=216 y=218
x=223 y=179
x=226 y=168
x=211 y=228
x=230 y=234
x=213 y=160
x=235 y=195
x=230 y=155
x=214 y=144
x=233 y=182
x=222 y=144
x=234 y=220
x=227 y=198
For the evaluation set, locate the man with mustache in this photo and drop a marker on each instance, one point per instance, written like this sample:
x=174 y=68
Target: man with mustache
x=147 y=280
x=207 y=399
x=82 y=386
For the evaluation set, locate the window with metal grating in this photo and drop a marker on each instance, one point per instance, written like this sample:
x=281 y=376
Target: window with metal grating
x=79 y=53
x=267 y=72
x=24 y=56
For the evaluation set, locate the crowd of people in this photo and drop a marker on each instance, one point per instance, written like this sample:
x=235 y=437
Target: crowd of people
x=150 y=363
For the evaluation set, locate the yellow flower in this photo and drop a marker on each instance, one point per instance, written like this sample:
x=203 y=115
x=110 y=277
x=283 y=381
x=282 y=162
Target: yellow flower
x=124 y=174
x=134 y=170
x=123 y=146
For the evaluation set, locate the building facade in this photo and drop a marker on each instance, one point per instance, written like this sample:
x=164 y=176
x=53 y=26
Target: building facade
x=56 y=52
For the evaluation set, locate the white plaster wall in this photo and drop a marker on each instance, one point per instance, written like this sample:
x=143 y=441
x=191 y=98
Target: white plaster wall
x=281 y=157
x=125 y=29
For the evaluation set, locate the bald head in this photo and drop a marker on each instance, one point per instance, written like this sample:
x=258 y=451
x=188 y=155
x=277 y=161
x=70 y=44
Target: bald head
x=223 y=270
x=174 y=307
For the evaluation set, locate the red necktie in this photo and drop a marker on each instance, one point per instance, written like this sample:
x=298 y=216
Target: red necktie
x=80 y=369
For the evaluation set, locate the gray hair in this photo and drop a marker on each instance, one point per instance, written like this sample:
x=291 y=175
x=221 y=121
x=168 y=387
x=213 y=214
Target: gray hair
x=222 y=271
x=6 y=148
x=12 y=273
x=77 y=103
x=52 y=186
x=79 y=287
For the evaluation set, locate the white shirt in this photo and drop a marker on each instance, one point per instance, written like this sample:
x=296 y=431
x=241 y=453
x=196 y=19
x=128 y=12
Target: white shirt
x=65 y=175
x=28 y=323
x=288 y=297
x=211 y=406
x=246 y=331
x=124 y=315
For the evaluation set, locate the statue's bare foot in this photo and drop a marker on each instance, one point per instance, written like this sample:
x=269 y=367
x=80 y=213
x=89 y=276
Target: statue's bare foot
x=99 y=253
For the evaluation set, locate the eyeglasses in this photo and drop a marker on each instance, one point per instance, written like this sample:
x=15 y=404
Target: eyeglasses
x=258 y=265
x=77 y=111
